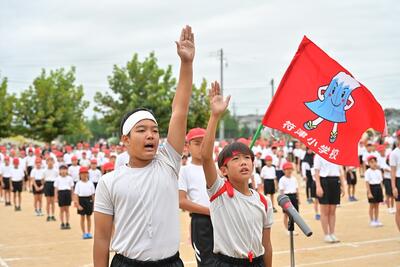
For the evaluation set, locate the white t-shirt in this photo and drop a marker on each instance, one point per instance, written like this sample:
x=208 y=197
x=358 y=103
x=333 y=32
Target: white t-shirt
x=84 y=162
x=94 y=175
x=84 y=189
x=67 y=158
x=5 y=171
x=193 y=182
x=17 y=175
x=30 y=161
x=22 y=163
x=373 y=176
x=268 y=172
x=145 y=205
x=50 y=175
x=288 y=185
x=239 y=222
x=64 y=183
x=122 y=159
x=73 y=171
x=278 y=162
x=325 y=167
x=37 y=174
x=394 y=160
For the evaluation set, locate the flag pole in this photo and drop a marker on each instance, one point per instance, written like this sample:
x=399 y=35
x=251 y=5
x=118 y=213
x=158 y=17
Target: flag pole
x=256 y=135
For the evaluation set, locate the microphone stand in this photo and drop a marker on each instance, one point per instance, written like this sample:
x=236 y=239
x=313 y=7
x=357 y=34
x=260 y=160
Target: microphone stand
x=291 y=229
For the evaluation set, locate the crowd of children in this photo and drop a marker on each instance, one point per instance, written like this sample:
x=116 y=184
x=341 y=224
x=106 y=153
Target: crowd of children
x=60 y=173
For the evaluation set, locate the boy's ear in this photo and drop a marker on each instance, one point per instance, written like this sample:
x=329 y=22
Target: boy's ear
x=224 y=171
x=125 y=139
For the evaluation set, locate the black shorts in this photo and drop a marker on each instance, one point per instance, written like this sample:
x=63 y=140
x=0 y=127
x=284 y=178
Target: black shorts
x=49 y=189
x=349 y=176
x=37 y=192
x=377 y=193
x=95 y=185
x=29 y=170
x=6 y=183
x=360 y=159
x=398 y=188
x=87 y=205
x=17 y=186
x=269 y=186
x=294 y=200
x=331 y=187
x=202 y=239
x=122 y=261
x=64 y=198
x=225 y=261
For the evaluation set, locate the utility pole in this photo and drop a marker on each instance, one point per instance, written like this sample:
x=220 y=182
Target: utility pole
x=222 y=124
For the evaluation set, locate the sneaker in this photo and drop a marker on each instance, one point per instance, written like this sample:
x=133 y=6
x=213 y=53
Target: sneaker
x=67 y=226
x=317 y=217
x=1 y=200
x=328 y=239
x=275 y=210
x=53 y=218
x=378 y=224
x=48 y=218
x=19 y=208
x=355 y=199
x=62 y=226
x=372 y=224
x=15 y=208
x=89 y=236
x=84 y=236
x=335 y=239
x=309 y=201
x=40 y=213
x=37 y=213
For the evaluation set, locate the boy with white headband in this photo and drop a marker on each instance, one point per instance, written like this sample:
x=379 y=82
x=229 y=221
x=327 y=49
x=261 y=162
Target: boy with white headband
x=141 y=198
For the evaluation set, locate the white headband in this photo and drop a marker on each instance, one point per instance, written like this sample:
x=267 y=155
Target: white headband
x=135 y=118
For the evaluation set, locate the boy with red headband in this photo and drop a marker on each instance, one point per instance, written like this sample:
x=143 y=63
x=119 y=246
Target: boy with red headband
x=194 y=199
x=141 y=198
x=241 y=217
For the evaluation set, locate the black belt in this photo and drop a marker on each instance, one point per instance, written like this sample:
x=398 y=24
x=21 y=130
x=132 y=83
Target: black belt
x=237 y=261
x=198 y=215
x=129 y=261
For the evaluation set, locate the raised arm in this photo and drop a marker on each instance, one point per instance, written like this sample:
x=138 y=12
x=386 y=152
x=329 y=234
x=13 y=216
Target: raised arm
x=180 y=104
x=218 y=106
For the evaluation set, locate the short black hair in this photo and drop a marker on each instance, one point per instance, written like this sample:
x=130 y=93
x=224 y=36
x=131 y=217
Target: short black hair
x=126 y=116
x=229 y=150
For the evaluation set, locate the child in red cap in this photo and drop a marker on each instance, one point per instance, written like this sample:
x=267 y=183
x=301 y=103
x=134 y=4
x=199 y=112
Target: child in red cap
x=37 y=175
x=63 y=186
x=5 y=174
x=374 y=179
x=268 y=174
x=17 y=178
x=288 y=185
x=194 y=199
x=242 y=218
x=94 y=173
x=83 y=200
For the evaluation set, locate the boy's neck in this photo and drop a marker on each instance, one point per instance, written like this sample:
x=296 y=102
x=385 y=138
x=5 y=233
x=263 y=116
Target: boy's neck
x=196 y=161
x=242 y=187
x=137 y=163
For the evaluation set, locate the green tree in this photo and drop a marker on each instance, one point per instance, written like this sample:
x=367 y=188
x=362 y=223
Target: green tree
x=52 y=106
x=6 y=109
x=96 y=127
x=145 y=84
x=231 y=126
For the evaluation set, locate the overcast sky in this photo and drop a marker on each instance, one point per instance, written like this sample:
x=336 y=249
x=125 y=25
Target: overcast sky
x=259 y=39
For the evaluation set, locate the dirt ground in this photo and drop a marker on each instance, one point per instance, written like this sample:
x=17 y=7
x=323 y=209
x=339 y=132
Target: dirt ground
x=27 y=240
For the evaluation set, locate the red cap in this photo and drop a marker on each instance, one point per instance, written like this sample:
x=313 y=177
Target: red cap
x=68 y=148
x=93 y=161
x=371 y=157
x=287 y=166
x=109 y=166
x=398 y=133
x=83 y=169
x=282 y=143
x=79 y=145
x=30 y=150
x=59 y=154
x=86 y=145
x=38 y=160
x=268 y=158
x=22 y=152
x=381 y=148
x=7 y=158
x=106 y=151
x=38 y=151
x=74 y=158
x=83 y=152
x=15 y=161
x=95 y=150
x=195 y=133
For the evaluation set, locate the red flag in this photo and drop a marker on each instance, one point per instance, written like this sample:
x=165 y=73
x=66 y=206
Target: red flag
x=321 y=104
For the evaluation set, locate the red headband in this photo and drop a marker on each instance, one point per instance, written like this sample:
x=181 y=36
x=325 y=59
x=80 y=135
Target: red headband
x=234 y=153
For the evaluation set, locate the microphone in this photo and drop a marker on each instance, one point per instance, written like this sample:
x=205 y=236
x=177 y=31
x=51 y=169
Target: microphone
x=284 y=202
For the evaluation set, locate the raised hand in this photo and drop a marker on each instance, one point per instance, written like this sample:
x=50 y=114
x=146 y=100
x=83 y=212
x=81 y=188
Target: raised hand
x=217 y=103
x=185 y=45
